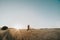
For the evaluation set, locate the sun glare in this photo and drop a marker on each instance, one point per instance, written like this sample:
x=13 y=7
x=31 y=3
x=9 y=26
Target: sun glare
x=18 y=26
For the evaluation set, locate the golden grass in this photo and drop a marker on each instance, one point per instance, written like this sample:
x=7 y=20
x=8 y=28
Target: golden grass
x=33 y=34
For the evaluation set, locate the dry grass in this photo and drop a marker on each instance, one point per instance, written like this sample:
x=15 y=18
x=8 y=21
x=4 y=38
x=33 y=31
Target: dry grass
x=33 y=34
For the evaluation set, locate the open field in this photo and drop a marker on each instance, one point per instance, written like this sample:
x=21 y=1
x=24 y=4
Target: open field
x=33 y=34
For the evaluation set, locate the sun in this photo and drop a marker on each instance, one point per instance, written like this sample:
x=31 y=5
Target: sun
x=18 y=26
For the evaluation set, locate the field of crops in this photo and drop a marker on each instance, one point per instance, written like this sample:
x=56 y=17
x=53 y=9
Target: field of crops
x=32 y=34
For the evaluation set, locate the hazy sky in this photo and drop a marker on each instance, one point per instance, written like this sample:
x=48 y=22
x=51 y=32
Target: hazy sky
x=37 y=13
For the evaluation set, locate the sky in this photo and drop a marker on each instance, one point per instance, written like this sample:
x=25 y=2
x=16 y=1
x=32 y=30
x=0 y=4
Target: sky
x=36 y=13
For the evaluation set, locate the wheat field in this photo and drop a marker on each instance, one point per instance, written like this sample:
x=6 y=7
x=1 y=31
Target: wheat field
x=32 y=34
